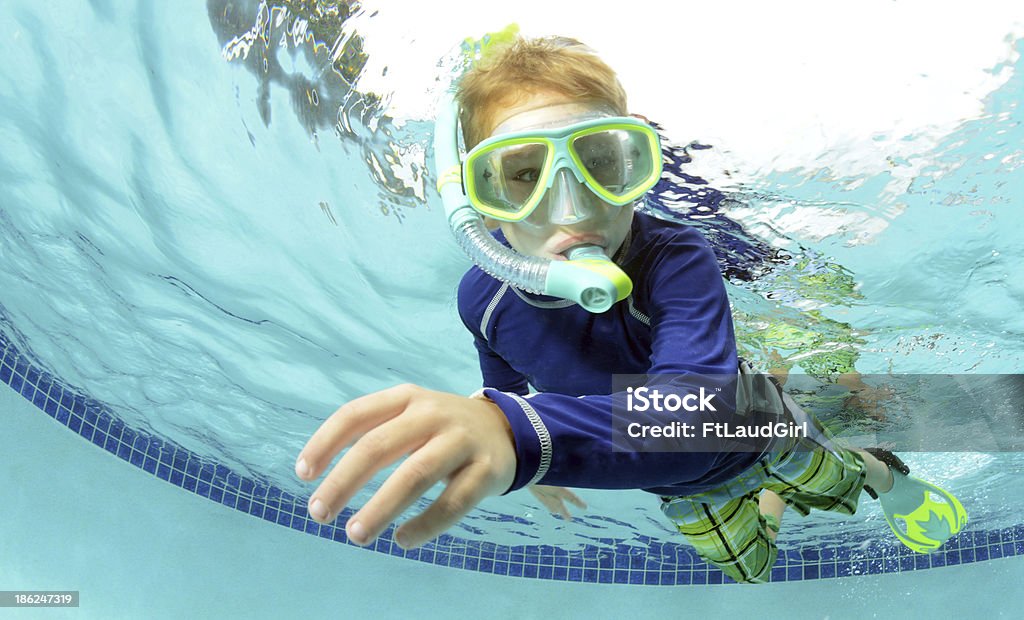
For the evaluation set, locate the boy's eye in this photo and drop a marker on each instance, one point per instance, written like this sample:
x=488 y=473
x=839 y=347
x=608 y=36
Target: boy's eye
x=527 y=175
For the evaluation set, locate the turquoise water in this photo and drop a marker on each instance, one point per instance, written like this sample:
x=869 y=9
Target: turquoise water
x=220 y=247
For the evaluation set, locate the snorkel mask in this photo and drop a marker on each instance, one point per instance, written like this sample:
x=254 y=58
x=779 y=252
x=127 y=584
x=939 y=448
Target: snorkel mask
x=533 y=177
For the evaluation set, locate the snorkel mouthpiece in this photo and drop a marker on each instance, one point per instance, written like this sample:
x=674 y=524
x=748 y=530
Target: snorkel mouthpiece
x=598 y=281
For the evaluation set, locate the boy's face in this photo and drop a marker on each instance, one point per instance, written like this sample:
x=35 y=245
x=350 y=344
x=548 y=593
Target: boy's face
x=569 y=214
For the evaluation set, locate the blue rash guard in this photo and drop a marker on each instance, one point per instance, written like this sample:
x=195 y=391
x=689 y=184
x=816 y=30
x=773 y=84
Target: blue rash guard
x=676 y=322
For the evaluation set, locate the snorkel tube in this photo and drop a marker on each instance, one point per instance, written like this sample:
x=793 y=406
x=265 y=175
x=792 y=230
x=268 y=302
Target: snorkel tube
x=589 y=277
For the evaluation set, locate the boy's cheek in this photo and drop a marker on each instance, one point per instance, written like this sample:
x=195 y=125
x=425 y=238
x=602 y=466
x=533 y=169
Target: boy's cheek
x=524 y=241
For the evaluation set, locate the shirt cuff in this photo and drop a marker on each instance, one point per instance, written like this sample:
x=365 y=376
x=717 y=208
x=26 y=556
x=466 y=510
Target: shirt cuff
x=533 y=442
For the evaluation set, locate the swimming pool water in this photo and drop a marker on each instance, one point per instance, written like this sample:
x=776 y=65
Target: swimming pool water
x=203 y=257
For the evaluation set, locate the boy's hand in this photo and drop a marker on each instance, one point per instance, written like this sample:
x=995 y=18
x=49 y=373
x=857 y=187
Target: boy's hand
x=554 y=499
x=465 y=442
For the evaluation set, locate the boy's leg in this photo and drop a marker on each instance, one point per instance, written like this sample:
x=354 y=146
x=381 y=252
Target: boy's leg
x=879 y=477
x=732 y=536
x=816 y=470
x=771 y=507
x=815 y=476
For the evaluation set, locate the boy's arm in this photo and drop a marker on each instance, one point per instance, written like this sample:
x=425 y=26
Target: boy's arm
x=496 y=371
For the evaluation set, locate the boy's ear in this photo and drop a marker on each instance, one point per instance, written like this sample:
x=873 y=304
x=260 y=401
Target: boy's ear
x=643 y=118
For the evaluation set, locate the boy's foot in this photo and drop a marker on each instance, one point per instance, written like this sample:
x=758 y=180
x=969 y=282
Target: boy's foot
x=883 y=460
x=922 y=515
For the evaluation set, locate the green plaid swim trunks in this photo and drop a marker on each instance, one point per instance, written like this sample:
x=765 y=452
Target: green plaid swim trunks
x=725 y=525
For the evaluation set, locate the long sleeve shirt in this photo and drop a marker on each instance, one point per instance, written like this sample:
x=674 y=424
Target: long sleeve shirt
x=675 y=323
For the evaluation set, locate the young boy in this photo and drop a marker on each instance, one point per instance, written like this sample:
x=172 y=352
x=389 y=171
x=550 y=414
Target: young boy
x=676 y=323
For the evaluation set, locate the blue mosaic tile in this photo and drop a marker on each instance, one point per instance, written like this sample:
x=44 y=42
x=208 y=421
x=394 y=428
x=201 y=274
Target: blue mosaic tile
x=63 y=416
x=136 y=458
x=39 y=399
x=810 y=555
x=311 y=527
x=91 y=413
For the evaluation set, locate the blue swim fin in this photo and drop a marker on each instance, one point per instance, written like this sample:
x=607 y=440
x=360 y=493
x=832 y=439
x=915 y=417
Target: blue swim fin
x=922 y=515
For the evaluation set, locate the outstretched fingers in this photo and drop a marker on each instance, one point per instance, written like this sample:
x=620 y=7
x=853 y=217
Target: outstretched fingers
x=466 y=489
x=347 y=424
x=375 y=450
x=432 y=463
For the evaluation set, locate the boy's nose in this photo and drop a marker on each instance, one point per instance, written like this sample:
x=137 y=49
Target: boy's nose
x=568 y=200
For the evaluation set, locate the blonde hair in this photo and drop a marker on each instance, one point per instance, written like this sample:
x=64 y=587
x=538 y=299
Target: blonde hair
x=525 y=67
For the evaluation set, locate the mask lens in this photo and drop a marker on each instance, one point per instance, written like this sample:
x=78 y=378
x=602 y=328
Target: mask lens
x=618 y=160
x=506 y=176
